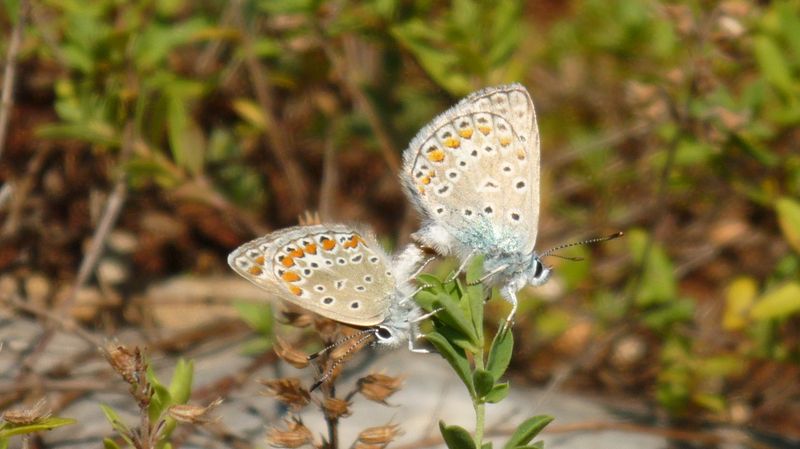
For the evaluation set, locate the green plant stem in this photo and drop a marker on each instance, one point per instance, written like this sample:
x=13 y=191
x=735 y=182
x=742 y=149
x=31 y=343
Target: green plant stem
x=479 y=405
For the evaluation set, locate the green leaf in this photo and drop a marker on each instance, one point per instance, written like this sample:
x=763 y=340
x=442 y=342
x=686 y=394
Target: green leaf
x=483 y=381
x=527 y=431
x=789 y=219
x=186 y=140
x=475 y=295
x=452 y=315
x=425 y=43
x=661 y=317
x=454 y=356
x=498 y=393
x=657 y=284
x=781 y=302
x=161 y=398
x=256 y=346
x=3 y=443
x=180 y=387
x=500 y=352
x=487 y=445
x=116 y=422
x=108 y=443
x=41 y=426
x=431 y=281
x=257 y=315
x=456 y=437
x=772 y=63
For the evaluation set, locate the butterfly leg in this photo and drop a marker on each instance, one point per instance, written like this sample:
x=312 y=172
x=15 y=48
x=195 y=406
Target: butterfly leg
x=510 y=295
x=461 y=267
x=415 y=335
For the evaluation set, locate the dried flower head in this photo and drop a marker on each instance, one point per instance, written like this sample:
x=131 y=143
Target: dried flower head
x=335 y=408
x=287 y=390
x=326 y=328
x=297 y=359
x=295 y=435
x=23 y=416
x=368 y=446
x=126 y=362
x=194 y=414
x=296 y=318
x=381 y=435
x=378 y=387
x=348 y=346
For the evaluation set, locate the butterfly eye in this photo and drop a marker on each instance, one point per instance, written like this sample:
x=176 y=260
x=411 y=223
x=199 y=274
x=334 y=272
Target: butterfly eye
x=539 y=268
x=383 y=333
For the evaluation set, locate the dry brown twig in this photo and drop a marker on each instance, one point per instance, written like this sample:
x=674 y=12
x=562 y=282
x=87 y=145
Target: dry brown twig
x=274 y=136
x=7 y=99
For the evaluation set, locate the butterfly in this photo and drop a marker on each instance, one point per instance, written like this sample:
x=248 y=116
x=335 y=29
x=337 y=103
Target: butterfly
x=473 y=174
x=340 y=273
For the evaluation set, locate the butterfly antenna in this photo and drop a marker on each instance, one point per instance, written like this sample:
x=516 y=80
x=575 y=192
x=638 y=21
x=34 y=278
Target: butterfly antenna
x=550 y=251
x=339 y=342
x=335 y=364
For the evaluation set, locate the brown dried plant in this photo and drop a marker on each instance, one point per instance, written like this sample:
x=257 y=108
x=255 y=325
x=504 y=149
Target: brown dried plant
x=340 y=344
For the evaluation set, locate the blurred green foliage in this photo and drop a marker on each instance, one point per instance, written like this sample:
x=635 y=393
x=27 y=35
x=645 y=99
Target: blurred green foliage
x=671 y=121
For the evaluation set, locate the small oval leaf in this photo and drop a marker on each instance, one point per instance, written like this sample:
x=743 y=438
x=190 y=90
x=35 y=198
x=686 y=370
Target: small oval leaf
x=500 y=352
x=483 y=381
x=498 y=393
x=456 y=437
x=779 y=303
x=789 y=220
x=527 y=431
x=455 y=357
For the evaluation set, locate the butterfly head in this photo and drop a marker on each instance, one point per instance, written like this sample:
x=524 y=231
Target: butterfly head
x=538 y=272
x=398 y=326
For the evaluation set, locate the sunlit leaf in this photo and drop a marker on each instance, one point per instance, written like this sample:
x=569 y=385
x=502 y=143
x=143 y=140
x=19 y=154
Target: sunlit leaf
x=739 y=297
x=789 y=219
x=781 y=302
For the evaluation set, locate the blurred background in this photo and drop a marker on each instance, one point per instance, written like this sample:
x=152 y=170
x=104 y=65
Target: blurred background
x=145 y=140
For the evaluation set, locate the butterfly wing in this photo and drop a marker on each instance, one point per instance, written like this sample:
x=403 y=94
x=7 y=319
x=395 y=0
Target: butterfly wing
x=332 y=270
x=474 y=170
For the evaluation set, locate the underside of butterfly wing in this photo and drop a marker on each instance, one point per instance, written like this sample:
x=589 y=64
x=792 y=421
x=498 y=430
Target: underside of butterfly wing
x=474 y=171
x=332 y=270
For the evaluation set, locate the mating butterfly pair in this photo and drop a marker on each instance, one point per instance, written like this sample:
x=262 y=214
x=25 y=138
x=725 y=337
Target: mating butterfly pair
x=473 y=174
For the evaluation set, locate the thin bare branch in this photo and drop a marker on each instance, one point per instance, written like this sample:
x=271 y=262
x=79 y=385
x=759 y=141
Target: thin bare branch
x=274 y=135
x=7 y=99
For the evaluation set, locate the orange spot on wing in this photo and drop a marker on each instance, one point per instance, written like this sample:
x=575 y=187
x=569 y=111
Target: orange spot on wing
x=297 y=291
x=485 y=130
x=452 y=143
x=290 y=276
x=311 y=248
x=297 y=253
x=436 y=156
x=353 y=242
x=504 y=141
x=465 y=133
x=255 y=271
x=260 y=260
x=521 y=154
x=288 y=261
x=328 y=244
x=426 y=180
